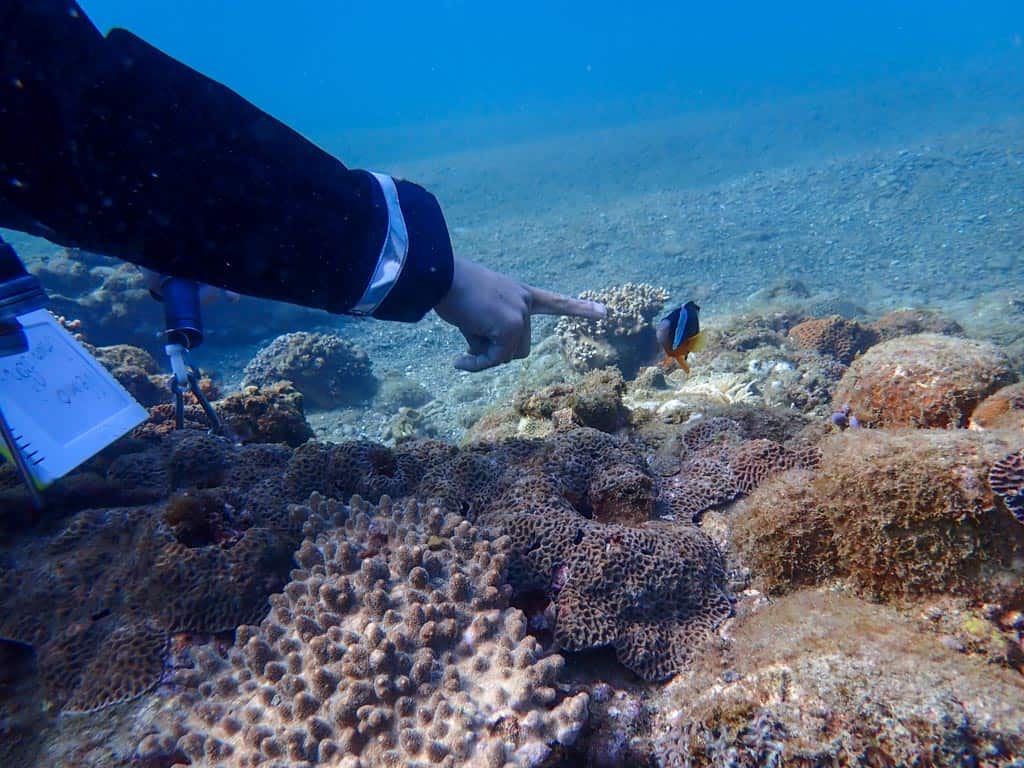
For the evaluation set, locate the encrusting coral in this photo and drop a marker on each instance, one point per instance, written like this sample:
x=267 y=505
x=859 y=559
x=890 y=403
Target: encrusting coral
x=898 y=515
x=834 y=336
x=383 y=650
x=720 y=459
x=99 y=600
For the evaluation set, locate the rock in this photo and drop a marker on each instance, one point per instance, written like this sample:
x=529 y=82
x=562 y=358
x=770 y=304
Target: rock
x=924 y=380
x=856 y=685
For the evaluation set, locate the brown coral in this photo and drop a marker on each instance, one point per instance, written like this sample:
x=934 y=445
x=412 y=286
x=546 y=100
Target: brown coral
x=382 y=651
x=270 y=414
x=822 y=678
x=721 y=462
x=653 y=592
x=926 y=380
x=99 y=600
x=594 y=401
x=898 y=515
x=328 y=370
x=137 y=371
x=833 y=336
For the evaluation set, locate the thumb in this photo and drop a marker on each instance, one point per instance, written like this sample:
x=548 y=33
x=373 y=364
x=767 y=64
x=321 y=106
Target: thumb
x=494 y=355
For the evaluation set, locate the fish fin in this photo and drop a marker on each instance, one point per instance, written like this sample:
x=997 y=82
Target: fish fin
x=698 y=342
x=667 y=363
x=680 y=333
x=683 y=364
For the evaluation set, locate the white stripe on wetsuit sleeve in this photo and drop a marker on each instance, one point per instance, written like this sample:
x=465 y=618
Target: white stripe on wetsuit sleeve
x=392 y=252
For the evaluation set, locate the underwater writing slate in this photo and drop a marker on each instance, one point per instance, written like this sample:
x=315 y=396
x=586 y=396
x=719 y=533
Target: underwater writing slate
x=61 y=404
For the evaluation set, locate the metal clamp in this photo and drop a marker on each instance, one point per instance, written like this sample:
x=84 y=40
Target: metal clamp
x=186 y=378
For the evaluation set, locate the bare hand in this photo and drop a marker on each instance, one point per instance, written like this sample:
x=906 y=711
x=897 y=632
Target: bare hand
x=493 y=312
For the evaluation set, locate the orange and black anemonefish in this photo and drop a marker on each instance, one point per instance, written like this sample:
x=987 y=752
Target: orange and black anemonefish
x=679 y=335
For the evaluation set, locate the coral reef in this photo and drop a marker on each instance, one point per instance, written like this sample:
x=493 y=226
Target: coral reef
x=898 y=515
x=718 y=459
x=856 y=685
x=594 y=401
x=833 y=336
x=653 y=592
x=329 y=371
x=270 y=414
x=382 y=650
x=925 y=380
x=624 y=339
x=137 y=371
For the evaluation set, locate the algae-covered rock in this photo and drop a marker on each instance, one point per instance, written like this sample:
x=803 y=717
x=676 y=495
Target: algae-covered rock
x=925 y=380
x=820 y=679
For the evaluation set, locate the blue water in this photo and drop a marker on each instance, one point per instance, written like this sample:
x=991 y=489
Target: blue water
x=409 y=79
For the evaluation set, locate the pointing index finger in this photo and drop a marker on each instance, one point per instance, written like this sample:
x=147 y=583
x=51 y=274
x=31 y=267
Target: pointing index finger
x=549 y=303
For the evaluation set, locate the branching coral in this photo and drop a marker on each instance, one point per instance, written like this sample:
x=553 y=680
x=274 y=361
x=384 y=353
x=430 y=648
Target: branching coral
x=624 y=339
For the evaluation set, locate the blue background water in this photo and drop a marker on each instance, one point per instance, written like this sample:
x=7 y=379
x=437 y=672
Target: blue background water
x=407 y=79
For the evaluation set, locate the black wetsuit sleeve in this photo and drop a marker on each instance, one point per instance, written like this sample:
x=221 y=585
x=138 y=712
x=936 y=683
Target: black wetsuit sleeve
x=109 y=145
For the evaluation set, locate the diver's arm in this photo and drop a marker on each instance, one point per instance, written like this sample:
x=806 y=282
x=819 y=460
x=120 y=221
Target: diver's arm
x=109 y=145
